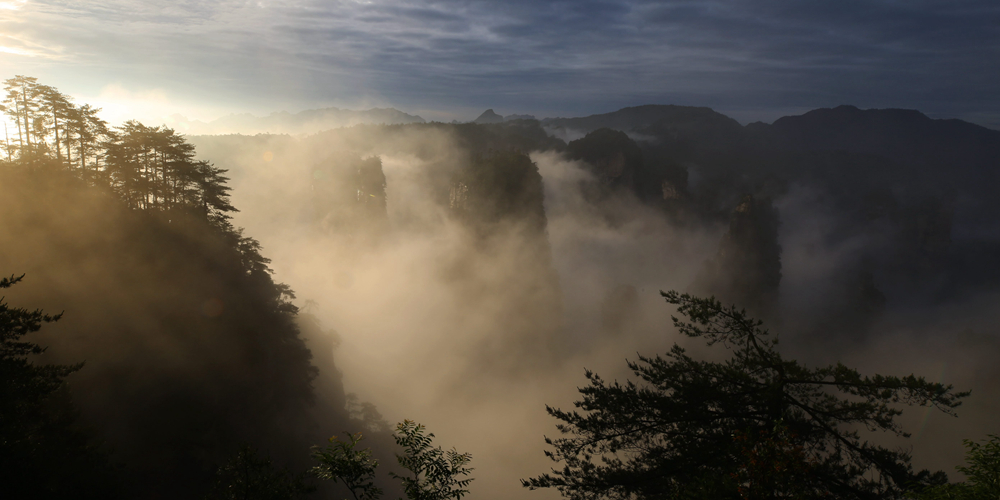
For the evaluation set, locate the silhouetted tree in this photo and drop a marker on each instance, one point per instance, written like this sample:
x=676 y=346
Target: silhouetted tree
x=181 y=275
x=366 y=413
x=341 y=462
x=88 y=132
x=755 y=425
x=43 y=453
x=56 y=107
x=22 y=104
x=152 y=168
x=982 y=471
x=435 y=473
x=248 y=476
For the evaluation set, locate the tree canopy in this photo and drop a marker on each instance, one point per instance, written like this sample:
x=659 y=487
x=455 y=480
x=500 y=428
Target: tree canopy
x=149 y=168
x=43 y=454
x=755 y=425
x=433 y=473
x=341 y=462
x=982 y=470
x=133 y=238
x=248 y=476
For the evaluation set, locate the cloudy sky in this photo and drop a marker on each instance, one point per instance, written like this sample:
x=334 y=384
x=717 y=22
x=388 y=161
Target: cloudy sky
x=753 y=60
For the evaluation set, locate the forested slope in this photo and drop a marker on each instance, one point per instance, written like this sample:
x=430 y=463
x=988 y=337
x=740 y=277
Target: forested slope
x=190 y=349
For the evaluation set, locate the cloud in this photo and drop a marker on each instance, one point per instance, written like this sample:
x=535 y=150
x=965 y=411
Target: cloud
x=552 y=57
x=12 y=5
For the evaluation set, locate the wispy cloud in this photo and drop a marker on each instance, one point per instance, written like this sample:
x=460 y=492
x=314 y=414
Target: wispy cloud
x=12 y=4
x=543 y=56
x=20 y=47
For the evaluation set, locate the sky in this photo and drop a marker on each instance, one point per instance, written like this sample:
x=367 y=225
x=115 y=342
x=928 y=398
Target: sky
x=452 y=59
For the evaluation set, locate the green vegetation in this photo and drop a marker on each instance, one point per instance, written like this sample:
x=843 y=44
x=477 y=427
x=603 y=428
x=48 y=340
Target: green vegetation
x=149 y=168
x=756 y=425
x=43 y=452
x=248 y=476
x=982 y=471
x=199 y=348
x=341 y=462
x=499 y=186
x=433 y=474
x=192 y=348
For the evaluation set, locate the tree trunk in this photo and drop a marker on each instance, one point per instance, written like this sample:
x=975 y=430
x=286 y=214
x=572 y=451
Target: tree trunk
x=55 y=128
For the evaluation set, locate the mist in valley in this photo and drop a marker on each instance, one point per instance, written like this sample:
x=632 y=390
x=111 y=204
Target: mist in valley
x=474 y=334
x=275 y=290
x=601 y=250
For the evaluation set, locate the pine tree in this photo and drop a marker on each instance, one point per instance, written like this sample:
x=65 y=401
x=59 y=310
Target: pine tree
x=43 y=453
x=756 y=425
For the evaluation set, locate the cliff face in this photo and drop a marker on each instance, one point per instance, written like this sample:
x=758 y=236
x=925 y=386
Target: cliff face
x=611 y=156
x=499 y=199
x=909 y=199
x=348 y=194
x=746 y=271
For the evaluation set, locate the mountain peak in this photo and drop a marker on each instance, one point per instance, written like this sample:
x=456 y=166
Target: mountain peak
x=489 y=116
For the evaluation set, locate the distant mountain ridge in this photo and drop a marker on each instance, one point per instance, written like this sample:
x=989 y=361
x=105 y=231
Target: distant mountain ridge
x=701 y=134
x=304 y=122
x=903 y=134
x=650 y=115
x=900 y=135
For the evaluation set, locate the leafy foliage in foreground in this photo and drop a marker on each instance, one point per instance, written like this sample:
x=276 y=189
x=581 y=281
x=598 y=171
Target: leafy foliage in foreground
x=982 y=470
x=340 y=461
x=753 y=426
x=435 y=472
x=248 y=476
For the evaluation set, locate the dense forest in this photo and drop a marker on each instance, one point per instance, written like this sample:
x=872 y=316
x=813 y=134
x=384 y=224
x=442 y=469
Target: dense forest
x=470 y=271
x=189 y=348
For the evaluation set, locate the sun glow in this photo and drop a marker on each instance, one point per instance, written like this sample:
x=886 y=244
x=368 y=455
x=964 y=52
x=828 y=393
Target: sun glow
x=12 y=5
x=17 y=52
x=151 y=106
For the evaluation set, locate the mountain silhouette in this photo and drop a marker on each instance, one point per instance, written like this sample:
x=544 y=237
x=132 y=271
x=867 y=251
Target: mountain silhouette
x=951 y=151
x=698 y=120
x=904 y=135
x=489 y=116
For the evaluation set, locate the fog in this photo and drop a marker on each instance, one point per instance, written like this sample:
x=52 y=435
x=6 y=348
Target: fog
x=464 y=276
x=949 y=336
x=471 y=340
x=474 y=335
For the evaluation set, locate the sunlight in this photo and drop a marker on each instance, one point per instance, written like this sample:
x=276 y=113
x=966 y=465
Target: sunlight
x=269 y=222
x=17 y=52
x=150 y=106
x=21 y=46
x=12 y=5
